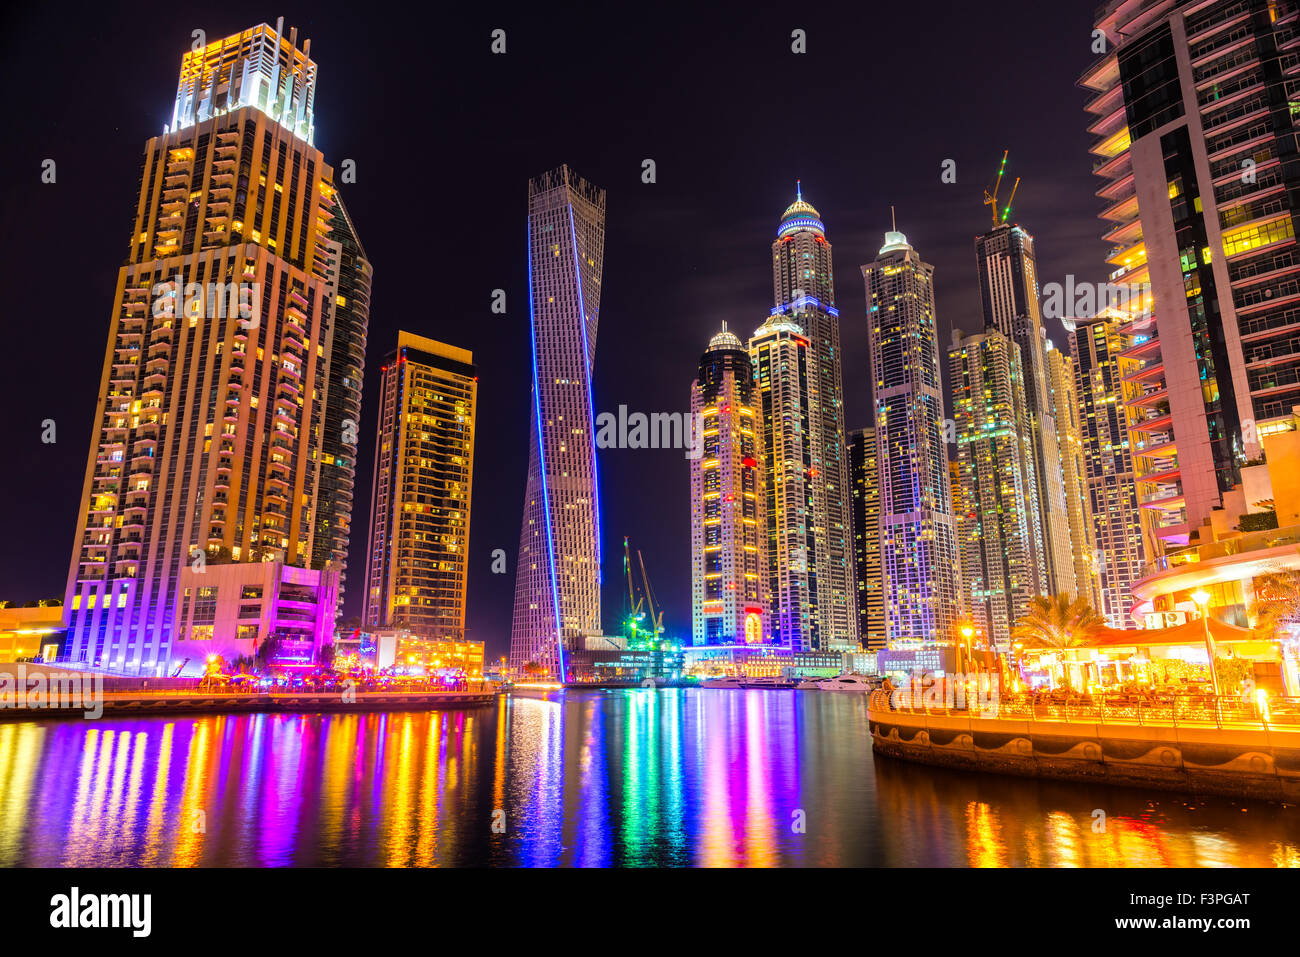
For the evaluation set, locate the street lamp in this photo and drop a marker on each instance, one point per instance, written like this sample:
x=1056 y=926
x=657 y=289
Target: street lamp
x=1202 y=599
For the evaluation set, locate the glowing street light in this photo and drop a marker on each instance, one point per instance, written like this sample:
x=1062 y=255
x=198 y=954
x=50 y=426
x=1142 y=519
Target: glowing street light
x=1202 y=599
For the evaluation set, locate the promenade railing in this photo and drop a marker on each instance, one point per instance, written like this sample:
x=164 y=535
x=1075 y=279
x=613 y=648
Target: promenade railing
x=1173 y=710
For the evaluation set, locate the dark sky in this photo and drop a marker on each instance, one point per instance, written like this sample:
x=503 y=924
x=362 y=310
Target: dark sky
x=446 y=135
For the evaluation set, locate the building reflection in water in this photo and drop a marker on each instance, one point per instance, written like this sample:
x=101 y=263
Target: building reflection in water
x=630 y=777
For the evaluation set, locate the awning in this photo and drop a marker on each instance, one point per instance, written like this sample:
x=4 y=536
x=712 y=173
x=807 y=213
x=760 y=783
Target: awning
x=1188 y=633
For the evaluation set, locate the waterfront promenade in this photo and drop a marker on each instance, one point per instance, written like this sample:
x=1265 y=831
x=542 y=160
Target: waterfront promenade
x=1194 y=743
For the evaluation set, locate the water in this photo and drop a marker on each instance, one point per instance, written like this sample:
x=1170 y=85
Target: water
x=628 y=777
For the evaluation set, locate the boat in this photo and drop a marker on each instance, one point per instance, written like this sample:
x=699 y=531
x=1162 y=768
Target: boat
x=809 y=684
x=723 y=682
x=849 y=681
x=766 y=681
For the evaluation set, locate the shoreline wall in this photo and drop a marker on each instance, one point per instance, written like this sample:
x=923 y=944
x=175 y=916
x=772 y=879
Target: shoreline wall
x=1262 y=764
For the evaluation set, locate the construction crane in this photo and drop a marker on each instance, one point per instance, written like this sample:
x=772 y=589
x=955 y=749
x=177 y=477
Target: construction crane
x=634 y=604
x=991 y=198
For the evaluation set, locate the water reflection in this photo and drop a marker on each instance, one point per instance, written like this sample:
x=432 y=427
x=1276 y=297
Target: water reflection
x=637 y=777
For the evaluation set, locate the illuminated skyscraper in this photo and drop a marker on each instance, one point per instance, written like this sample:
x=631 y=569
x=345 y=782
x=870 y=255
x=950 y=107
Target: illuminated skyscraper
x=728 y=509
x=1098 y=347
x=1002 y=564
x=1069 y=440
x=1009 y=291
x=210 y=420
x=918 y=549
x=557 y=583
x=804 y=293
x=1194 y=138
x=864 y=482
x=348 y=300
x=785 y=366
x=418 y=558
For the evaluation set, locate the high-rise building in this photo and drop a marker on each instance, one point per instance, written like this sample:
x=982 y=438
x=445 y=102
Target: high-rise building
x=1099 y=348
x=998 y=527
x=1009 y=292
x=784 y=367
x=557 y=583
x=729 y=555
x=1069 y=440
x=209 y=424
x=1194 y=139
x=864 y=482
x=918 y=548
x=418 y=555
x=348 y=299
x=803 y=290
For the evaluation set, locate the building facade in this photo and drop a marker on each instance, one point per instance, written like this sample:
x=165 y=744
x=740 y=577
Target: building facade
x=1193 y=138
x=864 y=482
x=418 y=555
x=1098 y=347
x=207 y=436
x=557 y=583
x=784 y=367
x=918 y=547
x=1069 y=440
x=803 y=291
x=729 y=555
x=1008 y=275
x=347 y=297
x=998 y=527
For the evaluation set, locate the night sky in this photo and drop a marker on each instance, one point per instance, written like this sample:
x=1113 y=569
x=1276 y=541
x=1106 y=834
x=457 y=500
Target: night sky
x=445 y=136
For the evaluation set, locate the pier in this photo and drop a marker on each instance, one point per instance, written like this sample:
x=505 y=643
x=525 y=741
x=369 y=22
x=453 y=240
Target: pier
x=1196 y=744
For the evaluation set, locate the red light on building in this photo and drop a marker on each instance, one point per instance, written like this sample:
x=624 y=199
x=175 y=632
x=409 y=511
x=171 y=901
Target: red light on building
x=748 y=462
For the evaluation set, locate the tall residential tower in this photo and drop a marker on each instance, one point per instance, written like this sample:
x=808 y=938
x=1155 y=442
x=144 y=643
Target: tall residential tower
x=864 y=480
x=212 y=404
x=1009 y=292
x=804 y=293
x=557 y=583
x=729 y=555
x=784 y=366
x=1002 y=565
x=1195 y=141
x=918 y=548
x=418 y=559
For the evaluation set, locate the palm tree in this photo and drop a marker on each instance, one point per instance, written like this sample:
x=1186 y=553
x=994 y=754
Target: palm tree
x=1276 y=609
x=1057 y=623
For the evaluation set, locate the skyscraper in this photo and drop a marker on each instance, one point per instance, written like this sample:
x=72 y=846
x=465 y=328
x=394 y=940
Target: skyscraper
x=784 y=367
x=1009 y=292
x=1194 y=139
x=729 y=555
x=348 y=299
x=918 y=549
x=1002 y=564
x=803 y=290
x=210 y=415
x=1098 y=347
x=1069 y=440
x=557 y=578
x=864 y=482
x=418 y=555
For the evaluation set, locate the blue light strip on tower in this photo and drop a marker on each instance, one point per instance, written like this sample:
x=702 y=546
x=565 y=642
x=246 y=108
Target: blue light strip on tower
x=804 y=301
x=591 y=403
x=541 y=454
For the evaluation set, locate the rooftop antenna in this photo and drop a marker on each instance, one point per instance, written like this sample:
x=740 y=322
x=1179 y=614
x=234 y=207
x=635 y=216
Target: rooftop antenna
x=798 y=190
x=893 y=224
x=991 y=199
